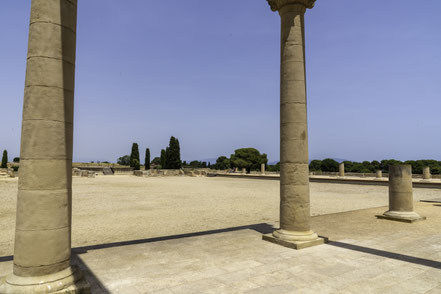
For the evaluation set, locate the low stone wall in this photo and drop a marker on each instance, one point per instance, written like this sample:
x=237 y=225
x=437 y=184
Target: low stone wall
x=164 y=172
x=122 y=170
x=365 y=175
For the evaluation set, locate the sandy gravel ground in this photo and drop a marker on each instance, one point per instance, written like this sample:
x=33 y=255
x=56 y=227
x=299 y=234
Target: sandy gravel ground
x=119 y=208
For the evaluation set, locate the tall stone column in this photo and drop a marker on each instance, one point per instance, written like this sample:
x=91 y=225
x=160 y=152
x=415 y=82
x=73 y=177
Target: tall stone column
x=295 y=225
x=262 y=168
x=42 y=252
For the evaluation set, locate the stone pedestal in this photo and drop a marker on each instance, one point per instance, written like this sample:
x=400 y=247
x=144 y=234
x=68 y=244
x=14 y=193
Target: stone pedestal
x=42 y=251
x=341 y=170
x=379 y=174
x=295 y=219
x=262 y=168
x=426 y=173
x=400 y=195
x=244 y=171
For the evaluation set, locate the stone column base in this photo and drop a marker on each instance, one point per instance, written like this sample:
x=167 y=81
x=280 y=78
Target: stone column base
x=68 y=281
x=401 y=216
x=295 y=244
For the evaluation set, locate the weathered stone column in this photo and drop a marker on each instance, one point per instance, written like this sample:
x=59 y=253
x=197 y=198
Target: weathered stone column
x=262 y=168
x=426 y=173
x=42 y=252
x=379 y=174
x=341 y=170
x=400 y=195
x=295 y=230
x=244 y=170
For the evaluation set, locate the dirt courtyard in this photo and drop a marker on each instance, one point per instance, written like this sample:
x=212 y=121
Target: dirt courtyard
x=120 y=208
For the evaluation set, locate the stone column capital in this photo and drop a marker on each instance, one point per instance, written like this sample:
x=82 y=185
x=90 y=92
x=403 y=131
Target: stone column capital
x=276 y=5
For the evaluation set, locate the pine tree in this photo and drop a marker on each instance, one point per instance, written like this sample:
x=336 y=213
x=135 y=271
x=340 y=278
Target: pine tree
x=147 y=159
x=163 y=159
x=134 y=155
x=5 y=159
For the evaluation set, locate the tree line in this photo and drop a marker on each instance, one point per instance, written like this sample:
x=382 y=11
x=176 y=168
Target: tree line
x=170 y=157
x=331 y=165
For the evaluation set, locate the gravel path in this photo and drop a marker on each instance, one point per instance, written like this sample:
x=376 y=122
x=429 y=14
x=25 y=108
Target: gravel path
x=117 y=208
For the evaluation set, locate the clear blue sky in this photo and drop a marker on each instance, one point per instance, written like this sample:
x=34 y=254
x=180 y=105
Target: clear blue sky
x=207 y=72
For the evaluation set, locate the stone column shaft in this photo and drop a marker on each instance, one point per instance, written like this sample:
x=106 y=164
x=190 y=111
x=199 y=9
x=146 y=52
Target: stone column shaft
x=262 y=168
x=400 y=195
x=379 y=174
x=43 y=227
x=341 y=169
x=400 y=188
x=294 y=178
x=426 y=173
x=45 y=188
x=294 y=171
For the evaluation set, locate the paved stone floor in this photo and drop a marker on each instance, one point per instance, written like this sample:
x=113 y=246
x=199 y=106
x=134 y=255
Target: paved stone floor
x=365 y=255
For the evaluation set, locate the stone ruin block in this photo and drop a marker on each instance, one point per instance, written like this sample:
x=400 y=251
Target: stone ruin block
x=107 y=171
x=138 y=173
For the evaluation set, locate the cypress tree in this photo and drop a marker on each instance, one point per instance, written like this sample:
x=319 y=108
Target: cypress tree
x=136 y=164
x=5 y=159
x=173 y=154
x=163 y=159
x=134 y=155
x=147 y=159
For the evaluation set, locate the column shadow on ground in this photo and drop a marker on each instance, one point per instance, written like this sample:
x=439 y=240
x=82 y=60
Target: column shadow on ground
x=262 y=228
x=98 y=287
x=95 y=283
x=387 y=254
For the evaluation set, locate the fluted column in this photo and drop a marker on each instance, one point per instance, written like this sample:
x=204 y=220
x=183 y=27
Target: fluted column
x=294 y=173
x=42 y=250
